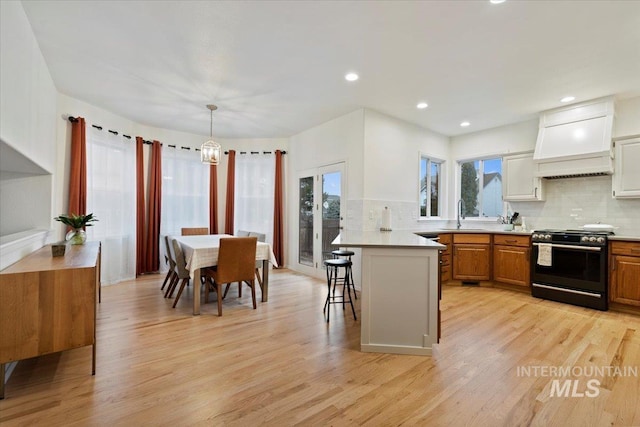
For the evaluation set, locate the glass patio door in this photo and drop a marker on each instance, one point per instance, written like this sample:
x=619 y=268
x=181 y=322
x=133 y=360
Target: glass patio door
x=321 y=211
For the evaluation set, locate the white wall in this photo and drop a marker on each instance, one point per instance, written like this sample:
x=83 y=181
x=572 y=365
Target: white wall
x=27 y=125
x=392 y=149
x=339 y=140
x=27 y=92
x=509 y=139
x=627 y=120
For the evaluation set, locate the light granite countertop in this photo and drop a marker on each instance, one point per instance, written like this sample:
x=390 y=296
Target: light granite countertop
x=471 y=231
x=414 y=239
x=629 y=238
x=379 y=239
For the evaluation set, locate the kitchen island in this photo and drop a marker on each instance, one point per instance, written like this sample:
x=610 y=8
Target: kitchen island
x=400 y=290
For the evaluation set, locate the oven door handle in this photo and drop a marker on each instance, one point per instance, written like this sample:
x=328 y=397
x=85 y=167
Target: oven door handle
x=571 y=291
x=576 y=247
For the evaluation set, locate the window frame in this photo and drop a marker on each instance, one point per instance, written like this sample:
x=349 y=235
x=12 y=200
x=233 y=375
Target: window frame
x=441 y=187
x=480 y=159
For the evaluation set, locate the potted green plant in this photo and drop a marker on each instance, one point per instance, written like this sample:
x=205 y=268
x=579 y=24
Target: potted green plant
x=77 y=223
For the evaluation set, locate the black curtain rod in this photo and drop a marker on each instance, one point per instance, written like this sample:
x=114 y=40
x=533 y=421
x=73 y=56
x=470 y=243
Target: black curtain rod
x=115 y=132
x=171 y=146
x=256 y=152
x=74 y=120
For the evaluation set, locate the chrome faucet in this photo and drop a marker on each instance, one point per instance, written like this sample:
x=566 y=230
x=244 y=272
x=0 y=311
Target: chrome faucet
x=461 y=207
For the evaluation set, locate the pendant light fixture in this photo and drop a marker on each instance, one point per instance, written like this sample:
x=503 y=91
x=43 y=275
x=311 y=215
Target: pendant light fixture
x=210 y=151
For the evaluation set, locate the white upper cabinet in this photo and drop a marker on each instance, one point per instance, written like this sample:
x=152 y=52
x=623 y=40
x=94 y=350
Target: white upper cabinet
x=626 y=178
x=520 y=182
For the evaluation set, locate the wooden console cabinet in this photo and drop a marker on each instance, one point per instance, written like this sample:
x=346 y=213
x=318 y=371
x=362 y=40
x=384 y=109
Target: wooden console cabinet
x=48 y=304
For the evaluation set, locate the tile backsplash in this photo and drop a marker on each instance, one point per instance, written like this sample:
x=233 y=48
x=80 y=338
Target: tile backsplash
x=570 y=203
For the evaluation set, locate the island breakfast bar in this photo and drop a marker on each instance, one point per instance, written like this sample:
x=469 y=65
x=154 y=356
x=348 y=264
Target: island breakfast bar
x=400 y=294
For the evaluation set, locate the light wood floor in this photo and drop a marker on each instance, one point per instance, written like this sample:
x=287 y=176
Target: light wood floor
x=283 y=365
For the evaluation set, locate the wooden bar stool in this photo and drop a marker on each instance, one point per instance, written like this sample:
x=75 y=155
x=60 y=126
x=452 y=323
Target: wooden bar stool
x=333 y=279
x=339 y=253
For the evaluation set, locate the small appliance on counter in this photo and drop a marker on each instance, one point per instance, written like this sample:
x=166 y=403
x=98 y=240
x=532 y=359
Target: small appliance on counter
x=571 y=266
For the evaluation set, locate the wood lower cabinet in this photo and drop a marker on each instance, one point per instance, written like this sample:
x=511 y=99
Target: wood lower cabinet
x=445 y=260
x=48 y=304
x=471 y=257
x=511 y=259
x=624 y=272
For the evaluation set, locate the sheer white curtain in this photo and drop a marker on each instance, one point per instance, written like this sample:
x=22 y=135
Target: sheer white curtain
x=255 y=185
x=185 y=194
x=111 y=185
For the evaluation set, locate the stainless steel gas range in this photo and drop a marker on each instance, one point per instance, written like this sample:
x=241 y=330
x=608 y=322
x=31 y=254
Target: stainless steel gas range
x=570 y=266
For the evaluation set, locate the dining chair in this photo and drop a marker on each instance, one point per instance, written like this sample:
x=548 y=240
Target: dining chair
x=171 y=274
x=236 y=263
x=181 y=270
x=193 y=231
x=261 y=238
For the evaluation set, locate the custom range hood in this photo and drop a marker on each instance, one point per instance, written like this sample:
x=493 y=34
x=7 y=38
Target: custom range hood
x=575 y=140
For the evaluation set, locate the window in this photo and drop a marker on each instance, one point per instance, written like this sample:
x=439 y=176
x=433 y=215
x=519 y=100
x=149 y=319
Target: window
x=185 y=192
x=430 y=187
x=255 y=187
x=481 y=187
x=111 y=197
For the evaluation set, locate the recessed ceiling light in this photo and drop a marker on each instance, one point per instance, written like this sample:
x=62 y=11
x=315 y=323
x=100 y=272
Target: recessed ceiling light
x=568 y=99
x=496 y=1
x=352 y=77
x=465 y=124
x=422 y=105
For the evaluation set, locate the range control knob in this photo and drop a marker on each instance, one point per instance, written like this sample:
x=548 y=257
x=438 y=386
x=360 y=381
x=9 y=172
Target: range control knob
x=584 y=239
x=534 y=237
x=600 y=239
x=592 y=239
x=547 y=237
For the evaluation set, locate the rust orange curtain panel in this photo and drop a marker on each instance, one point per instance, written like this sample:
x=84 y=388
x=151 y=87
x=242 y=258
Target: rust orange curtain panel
x=78 y=173
x=152 y=249
x=278 y=214
x=140 y=212
x=231 y=189
x=213 y=199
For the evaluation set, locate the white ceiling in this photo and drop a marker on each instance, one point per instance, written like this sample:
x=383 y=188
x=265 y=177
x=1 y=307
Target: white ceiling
x=276 y=68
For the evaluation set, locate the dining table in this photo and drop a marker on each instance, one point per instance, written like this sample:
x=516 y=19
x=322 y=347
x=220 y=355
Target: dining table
x=201 y=251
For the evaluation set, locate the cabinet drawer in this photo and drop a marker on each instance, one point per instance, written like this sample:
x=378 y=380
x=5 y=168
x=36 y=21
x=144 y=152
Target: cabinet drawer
x=446 y=260
x=446 y=273
x=509 y=240
x=625 y=248
x=444 y=238
x=472 y=238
